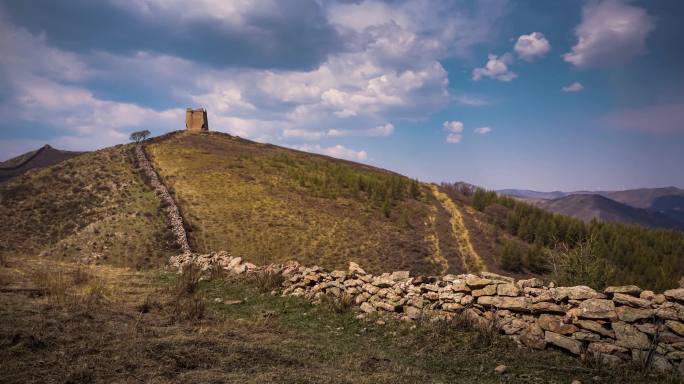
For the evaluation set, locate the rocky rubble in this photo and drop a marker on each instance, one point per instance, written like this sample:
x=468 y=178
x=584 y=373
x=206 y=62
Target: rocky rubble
x=617 y=325
x=172 y=213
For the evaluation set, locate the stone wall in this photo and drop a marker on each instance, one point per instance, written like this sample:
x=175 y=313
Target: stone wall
x=617 y=325
x=173 y=215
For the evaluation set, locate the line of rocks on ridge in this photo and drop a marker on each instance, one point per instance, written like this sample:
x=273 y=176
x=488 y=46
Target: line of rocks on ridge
x=619 y=324
x=173 y=215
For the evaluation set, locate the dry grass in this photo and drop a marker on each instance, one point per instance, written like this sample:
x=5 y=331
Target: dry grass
x=134 y=338
x=94 y=206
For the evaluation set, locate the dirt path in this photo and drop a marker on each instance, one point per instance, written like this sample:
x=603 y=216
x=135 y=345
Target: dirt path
x=471 y=260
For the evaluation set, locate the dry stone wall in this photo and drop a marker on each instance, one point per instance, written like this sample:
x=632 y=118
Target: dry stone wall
x=617 y=325
x=173 y=215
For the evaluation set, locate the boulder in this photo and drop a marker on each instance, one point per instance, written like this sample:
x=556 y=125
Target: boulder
x=631 y=315
x=597 y=309
x=533 y=337
x=579 y=292
x=496 y=277
x=507 y=290
x=586 y=336
x=624 y=289
x=338 y=274
x=675 y=326
x=476 y=282
x=595 y=327
x=625 y=299
x=354 y=268
x=412 y=313
x=555 y=324
x=383 y=281
x=571 y=345
x=400 y=276
x=647 y=295
x=500 y=369
x=530 y=283
x=489 y=290
x=512 y=303
x=385 y=306
x=459 y=286
x=675 y=294
x=367 y=307
x=607 y=348
x=629 y=336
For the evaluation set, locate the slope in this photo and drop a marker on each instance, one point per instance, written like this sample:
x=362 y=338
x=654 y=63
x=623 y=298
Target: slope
x=593 y=206
x=266 y=203
x=94 y=207
x=40 y=158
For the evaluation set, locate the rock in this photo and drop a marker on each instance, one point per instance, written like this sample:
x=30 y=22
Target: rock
x=507 y=290
x=232 y=302
x=624 y=289
x=571 y=345
x=413 y=312
x=355 y=268
x=475 y=282
x=597 y=309
x=530 y=283
x=555 y=324
x=595 y=327
x=579 y=292
x=494 y=276
x=680 y=368
x=681 y=282
x=647 y=295
x=575 y=382
x=631 y=315
x=533 y=337
x=400 y=276
x=384 y=306
x=586 y=336
x=431 y=287
x=546 y=307
x=489 y=290
x=383 y=281
x=338 y=274
x=512 y=303
x=460 y=287
x=607 y=348
x=659 y=299
x=629 y=336
x=675 y=294
x=450 y=297
x=661 y=364
x=367 y=307
x=675 y=326
x=624 y=299
x=452 y=307
x=467 y=300
x=500 y=369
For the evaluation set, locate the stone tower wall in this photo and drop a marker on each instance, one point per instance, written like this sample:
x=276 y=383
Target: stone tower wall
x=196 y=120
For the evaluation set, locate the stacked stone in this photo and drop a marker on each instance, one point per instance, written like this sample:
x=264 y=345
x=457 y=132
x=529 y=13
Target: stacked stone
x=172 y=213
x=619 y=324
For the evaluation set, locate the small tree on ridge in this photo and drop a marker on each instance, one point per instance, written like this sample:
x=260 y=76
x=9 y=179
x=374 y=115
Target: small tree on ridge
x=139 y=136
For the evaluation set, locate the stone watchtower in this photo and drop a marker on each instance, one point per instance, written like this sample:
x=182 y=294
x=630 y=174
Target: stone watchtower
x=196 y=120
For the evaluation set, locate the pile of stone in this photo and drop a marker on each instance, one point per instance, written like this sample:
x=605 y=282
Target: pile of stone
x=173 y=215
x=619 y=324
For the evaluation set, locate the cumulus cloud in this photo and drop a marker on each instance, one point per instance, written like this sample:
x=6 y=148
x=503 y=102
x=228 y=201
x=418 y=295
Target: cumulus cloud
x=574 y=87
x=611 y=32
x=339 y=151
x=482 y=130
x=496 y=68
x=532 y=46
x=454 y=129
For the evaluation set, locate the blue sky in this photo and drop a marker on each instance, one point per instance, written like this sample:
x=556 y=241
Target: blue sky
x=526 y=94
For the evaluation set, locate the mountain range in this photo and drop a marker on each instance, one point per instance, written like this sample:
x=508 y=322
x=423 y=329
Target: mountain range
x=42 y=157
x=652 y=207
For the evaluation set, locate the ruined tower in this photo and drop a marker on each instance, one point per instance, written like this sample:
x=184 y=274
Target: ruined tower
x=196 y=120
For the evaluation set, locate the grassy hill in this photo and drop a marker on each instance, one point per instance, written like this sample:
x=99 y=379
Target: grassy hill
x=93 y=206
x=40 y=158
x=267 y=203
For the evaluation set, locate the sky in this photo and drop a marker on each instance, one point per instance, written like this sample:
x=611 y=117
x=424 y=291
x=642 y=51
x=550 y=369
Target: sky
x=545 y=95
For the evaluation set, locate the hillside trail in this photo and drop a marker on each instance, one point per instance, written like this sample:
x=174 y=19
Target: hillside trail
x=472 y=263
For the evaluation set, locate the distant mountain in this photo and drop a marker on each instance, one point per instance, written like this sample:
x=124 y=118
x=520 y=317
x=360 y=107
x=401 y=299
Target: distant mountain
x=42 y=157
x=662 y=207
x=594 y=206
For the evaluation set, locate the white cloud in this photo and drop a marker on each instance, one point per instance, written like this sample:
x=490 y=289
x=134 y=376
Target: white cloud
x=338 y=151
x=471 y=101
x=454 y=138
x=482 y=130
x=574 y=87
x=611 y=32
x=453 y=126
x=532 y=46
x=496 y=68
